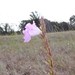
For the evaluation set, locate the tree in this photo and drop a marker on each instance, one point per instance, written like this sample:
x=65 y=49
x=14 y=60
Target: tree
x=6 y=29
x=33 y=16
x=23 y=23
x=64 y=26
x=72 y=20
x=1 y=30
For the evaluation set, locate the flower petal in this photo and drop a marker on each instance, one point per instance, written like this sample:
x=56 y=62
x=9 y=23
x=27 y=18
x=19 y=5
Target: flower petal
x=34 y=30
x=27 y=36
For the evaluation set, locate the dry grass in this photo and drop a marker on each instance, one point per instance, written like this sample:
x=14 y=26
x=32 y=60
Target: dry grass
x=19 y=58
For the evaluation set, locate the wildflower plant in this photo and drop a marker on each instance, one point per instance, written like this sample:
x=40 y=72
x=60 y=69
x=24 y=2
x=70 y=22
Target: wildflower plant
x=32 y=30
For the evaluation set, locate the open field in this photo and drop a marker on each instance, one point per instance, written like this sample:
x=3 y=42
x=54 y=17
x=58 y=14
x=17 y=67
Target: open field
x=19 y=58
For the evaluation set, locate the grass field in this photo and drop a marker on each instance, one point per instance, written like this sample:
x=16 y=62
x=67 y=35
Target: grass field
x=19 y=58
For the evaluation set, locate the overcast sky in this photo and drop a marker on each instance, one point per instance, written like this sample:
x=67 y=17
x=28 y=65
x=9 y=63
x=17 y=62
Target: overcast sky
x=13 y=11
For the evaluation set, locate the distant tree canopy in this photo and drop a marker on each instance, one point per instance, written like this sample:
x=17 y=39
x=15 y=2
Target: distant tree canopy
x=55 y=26
x=72 y=20
x=51 y=26
x=6 y=29
x=1 y=30
x=33 y=17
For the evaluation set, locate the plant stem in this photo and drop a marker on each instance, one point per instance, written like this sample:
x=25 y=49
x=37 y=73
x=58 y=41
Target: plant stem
x=46 y=45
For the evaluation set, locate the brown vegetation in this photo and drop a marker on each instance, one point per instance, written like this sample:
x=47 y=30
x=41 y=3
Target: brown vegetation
x=19 y=58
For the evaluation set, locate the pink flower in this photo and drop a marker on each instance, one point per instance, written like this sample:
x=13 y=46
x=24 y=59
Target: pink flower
x=30 y=31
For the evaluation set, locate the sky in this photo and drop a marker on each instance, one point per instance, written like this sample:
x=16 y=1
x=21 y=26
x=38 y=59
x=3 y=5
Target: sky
x=14 y=11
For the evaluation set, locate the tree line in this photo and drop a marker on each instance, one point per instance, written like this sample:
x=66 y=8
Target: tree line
x=51 y=26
